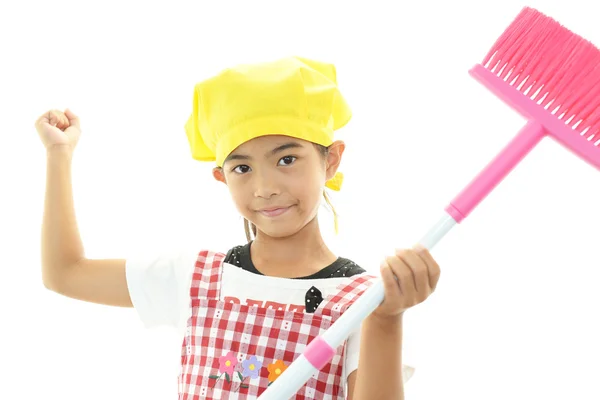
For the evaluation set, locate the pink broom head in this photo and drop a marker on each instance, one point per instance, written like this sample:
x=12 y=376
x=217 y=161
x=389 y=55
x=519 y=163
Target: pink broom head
x=550 y=75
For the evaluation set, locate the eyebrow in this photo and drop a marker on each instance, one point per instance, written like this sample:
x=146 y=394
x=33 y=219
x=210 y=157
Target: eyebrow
x=278 y=149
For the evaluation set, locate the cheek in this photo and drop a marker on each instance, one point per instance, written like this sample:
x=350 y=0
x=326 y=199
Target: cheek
x=309 y=192
x=238 y=196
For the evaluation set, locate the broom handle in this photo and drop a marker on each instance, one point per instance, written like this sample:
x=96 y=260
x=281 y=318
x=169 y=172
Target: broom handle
x=301 y=369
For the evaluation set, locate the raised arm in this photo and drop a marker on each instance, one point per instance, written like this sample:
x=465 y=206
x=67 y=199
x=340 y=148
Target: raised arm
x=65 y=269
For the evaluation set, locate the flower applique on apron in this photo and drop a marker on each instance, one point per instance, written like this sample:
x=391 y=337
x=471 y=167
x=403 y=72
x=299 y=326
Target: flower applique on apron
x=235 y=351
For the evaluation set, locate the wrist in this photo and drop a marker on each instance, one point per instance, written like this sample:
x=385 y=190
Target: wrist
x=60 y=150
x=385 y=322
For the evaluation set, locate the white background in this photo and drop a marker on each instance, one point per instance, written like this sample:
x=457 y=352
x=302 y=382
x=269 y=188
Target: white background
x=515 y=313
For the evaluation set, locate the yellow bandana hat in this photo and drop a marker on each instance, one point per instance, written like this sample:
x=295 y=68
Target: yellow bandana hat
x=293 y=96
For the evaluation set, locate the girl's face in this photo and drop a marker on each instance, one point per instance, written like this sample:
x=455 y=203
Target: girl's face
x=277 y=181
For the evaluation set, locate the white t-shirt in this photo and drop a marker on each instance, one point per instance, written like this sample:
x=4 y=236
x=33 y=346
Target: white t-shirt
x=159 y=287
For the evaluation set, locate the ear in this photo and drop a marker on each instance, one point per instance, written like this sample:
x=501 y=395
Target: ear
x=334 y=158
x=219 y=175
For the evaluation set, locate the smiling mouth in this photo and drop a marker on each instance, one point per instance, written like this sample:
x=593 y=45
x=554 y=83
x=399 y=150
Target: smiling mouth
x=274 y=212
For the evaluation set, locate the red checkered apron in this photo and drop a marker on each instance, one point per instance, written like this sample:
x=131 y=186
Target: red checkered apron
x=234 y=351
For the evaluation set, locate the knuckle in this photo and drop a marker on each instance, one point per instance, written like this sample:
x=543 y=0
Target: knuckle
x=402 y=252
x=422 y=250
x=391 y=260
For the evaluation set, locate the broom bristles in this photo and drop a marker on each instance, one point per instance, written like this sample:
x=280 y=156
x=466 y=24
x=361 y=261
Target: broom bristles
x=553 y=66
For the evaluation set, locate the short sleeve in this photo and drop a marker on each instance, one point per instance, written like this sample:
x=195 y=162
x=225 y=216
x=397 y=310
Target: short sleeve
x=353 y=351
x=159 y=287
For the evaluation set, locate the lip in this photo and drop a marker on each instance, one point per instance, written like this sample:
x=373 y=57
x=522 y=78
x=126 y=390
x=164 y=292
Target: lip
x=274 y=211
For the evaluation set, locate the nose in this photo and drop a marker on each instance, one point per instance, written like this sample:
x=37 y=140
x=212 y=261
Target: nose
x=265 y=184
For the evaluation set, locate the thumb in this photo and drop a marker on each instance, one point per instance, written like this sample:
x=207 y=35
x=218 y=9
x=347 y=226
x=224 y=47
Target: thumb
x=73 y=119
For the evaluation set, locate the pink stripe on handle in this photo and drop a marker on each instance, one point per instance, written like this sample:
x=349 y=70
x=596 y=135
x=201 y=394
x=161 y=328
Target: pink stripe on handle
x=319 y=353
x=527 y=138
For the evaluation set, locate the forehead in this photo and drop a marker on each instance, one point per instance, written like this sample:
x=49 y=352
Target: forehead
x=267 y=143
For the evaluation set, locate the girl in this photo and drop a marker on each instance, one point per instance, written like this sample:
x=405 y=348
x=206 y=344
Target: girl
x=246 y=314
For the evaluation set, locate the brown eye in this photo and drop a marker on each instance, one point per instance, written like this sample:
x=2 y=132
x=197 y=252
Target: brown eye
x=241 y=169
x=287 y=160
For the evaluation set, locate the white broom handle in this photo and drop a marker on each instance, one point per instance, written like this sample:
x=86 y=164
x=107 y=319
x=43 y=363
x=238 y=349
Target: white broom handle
x=300 y=370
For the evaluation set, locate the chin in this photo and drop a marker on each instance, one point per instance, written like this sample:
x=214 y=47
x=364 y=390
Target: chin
x=278 y=232
x=282 y=230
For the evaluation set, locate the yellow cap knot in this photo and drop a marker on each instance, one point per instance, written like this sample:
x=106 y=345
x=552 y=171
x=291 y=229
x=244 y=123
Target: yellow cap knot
x=335 y=183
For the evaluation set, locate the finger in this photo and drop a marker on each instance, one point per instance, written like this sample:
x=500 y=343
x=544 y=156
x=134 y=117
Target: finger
x=406 y=281
x=59 y=119
x=73 y=119
x=62 y=122
x=53 y=117
x=391 y=286
x=432 y=265
x=43 y=120
x=419 y=269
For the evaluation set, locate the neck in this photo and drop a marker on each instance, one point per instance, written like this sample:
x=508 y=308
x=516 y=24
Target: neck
x=301 y=254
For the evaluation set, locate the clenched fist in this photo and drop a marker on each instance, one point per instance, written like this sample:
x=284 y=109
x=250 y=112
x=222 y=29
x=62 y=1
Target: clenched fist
x=409 y=278
x=56 y=128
